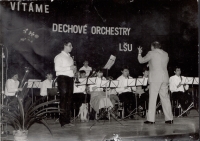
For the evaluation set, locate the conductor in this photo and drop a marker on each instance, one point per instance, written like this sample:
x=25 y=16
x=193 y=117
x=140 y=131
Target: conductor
x=158 y=81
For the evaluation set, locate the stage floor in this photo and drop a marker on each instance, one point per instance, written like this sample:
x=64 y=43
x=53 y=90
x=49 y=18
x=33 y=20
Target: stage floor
x=184 y=128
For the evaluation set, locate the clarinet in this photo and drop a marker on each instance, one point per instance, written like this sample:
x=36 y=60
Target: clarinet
x=75 y=72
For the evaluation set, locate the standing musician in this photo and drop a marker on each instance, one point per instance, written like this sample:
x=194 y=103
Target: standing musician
x=126 y=94
x=11 y=87
x=86 y=68
x=65 y=70
x=158 y=81
x=179 y=91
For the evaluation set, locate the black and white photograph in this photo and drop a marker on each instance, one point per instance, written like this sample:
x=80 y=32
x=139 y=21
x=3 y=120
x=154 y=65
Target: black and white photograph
x=99 y=70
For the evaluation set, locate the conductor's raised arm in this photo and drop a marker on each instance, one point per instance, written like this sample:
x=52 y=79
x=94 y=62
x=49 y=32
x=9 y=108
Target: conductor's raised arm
x=145 y=58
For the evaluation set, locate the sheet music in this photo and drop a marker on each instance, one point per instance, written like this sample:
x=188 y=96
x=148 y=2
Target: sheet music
x=91 y=80
x=139 y=81
x=145 y=81
x=183 y=80
x=110 y=62
x=114 y=83
x=82 y=81
x=189 y=80
x=104 y=83
x=196 y=80
x=131 y=82
x=34 y=83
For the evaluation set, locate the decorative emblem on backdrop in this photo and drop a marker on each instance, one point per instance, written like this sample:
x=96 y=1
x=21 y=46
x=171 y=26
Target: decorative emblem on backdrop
x=29 y=36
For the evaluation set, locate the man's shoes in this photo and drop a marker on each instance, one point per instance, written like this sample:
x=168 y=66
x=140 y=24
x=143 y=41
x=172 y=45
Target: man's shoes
x=68 y=125
x=149 y=122
x=169 y=122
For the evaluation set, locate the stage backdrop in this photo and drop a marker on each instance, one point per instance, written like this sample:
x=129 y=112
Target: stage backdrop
x=32 y=33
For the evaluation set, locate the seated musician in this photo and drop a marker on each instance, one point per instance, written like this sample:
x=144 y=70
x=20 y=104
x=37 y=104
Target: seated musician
x=178 y=90
x=143 y=92
x=47 y=83
x=79 y=94
x=11 y=87
x=86 y=68
x=98 y=96
x=126 y=94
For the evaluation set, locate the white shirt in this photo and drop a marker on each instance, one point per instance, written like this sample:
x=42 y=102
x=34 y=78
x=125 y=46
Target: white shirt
x=123 y=82
x=86 y=69
x=11 y=87
x=174 y=81
x=63 y=61
x=45 y=84
x=97 y=84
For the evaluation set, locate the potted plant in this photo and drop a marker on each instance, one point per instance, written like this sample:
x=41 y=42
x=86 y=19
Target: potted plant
x=22 y=113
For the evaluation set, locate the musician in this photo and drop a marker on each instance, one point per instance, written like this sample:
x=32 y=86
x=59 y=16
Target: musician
x=86 y=68
x=178 y=90
x=126 y=94
x=158 y=81
x=47 y=83
x=65 y=70
x=83 y=112
x=98 y=96
x=79 y=93
x=87 y=96
x=11 y=87
x=143 y=92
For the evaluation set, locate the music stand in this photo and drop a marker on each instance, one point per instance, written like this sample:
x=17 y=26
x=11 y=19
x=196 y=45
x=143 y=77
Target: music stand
x=85 y=81
x=33 y=83
x=190 y=81
x=108 y=84
x=133 y=82
x=110 y=62
x=108 y=65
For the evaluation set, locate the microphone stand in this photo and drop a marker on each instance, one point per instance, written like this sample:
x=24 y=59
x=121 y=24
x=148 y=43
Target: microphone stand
x=3 y=132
